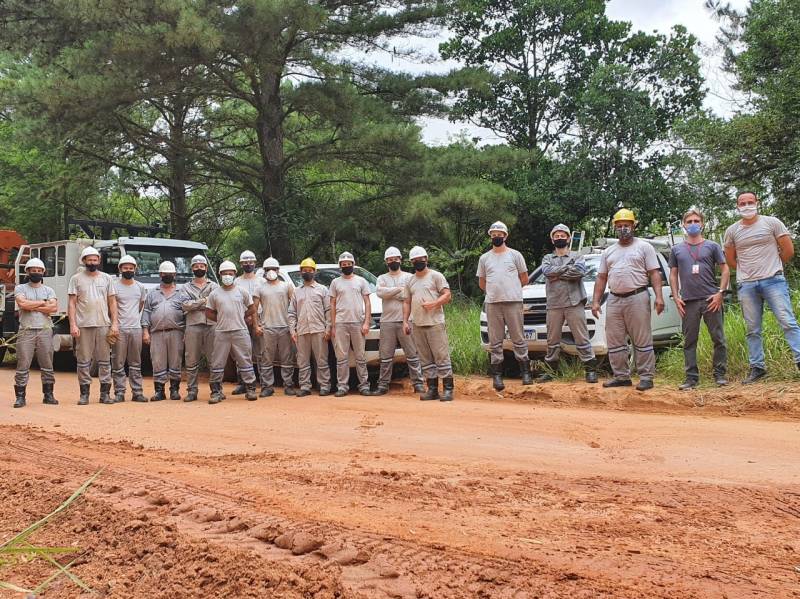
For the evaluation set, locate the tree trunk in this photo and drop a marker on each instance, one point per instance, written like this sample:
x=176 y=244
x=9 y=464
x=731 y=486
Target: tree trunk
x=179 y=221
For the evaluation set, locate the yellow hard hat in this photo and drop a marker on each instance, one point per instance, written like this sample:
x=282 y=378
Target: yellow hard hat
x=624 y=214
x=308 y=263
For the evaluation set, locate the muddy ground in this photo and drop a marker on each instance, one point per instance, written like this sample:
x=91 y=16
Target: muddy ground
x=564 y=490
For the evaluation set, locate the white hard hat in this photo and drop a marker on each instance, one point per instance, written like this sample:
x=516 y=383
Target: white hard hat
x=199 y=259
x=498 y=226
x=34 y=263
x=271 y=263
x=346 y=256
x=417 y=252
x=167 y=267
x=562 y=228
x=126 y=259
x=227 y=265
x=247 y=255
x=89 y=251
x=392 y=252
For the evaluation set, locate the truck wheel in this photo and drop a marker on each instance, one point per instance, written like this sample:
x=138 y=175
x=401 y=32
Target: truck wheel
x=65 y=361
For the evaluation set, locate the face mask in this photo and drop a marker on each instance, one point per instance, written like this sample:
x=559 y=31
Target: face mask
x=624 y=233
x=168 y=279
x=35 y=278
x=91 y=267
x=271 y=275
x=394 y=266
x=498 y=241
x=561 y=243
x=249 y=268
x=228 y=280
x=199 y=273
x=307 y=276
x=420 y=265
x=693 y=228
x=747 y=211
x=128 y=274
x=347 y=270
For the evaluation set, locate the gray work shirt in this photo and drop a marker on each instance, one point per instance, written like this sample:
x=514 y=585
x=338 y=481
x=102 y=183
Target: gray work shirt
x=194 y=302
x=501 y=271
x=29 y=319
x=697 y=268
x=756 y=247
x=231 y=306
x=391 y=290
x=349 y=294
x=129 y=300
x=427 y=288
x=310 y=309
x=274 y=301
x=566 y=289
x=162 y=312
x=627 y=265
x=92 y=292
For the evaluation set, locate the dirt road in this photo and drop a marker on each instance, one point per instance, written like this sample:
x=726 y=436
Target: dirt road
x=557 y=491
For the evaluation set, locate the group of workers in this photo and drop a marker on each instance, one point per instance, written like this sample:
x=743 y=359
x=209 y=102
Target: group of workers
x=262 y=320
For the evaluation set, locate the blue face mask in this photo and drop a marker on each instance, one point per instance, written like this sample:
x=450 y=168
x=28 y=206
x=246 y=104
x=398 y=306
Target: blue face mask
x=694 y=228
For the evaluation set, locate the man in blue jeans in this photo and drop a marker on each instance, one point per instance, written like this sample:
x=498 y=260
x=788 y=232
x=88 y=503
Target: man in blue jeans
x=757 y=247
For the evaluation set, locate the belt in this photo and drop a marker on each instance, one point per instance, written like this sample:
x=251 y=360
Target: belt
x=166 y=330
x=630 y=293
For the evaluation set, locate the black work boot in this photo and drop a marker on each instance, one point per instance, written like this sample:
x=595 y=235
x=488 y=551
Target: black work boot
x=216 y=393
x=381 y=390
x=19 y=391
x=525 y=371
x=83 y=400
x=341 y=392
x=159 y=394
x=250 y=392
x=47 y=395
x=497 y=376
x=756 y=373
x=175 y=390
x=590 y=366
x=139 y=397
x=105 y=393
x=419 y=387
x=433 y=391
x=119 y=396
x=191 y=395
x=266 y=391
x=447 y=385
x=239 y=389
x=289 y=390
x=617 y=383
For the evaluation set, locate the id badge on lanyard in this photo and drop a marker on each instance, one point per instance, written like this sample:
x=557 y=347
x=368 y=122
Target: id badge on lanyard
x=696 y=258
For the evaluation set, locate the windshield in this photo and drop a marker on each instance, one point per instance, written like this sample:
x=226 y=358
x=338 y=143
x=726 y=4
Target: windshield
x=592 y=264
x=149 y=257
x=327 y=275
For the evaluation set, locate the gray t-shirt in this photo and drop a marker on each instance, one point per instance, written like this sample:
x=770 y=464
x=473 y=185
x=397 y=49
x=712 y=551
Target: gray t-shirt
x=391 y=290
x=697 y=268
x=756 y=247
x=627 y=265
x=349 y=295
x=231 y=305
x=274 y=298
x=129 y=298
x=92 y=292
x=501 y=271
x=426 y=289
x=29 y=319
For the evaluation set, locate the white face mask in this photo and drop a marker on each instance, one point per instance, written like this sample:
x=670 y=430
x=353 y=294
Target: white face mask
x=747 y=211
x=271 y=275
x=228 y=279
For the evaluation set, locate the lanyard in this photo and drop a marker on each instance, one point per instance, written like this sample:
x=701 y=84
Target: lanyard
x=699 y=250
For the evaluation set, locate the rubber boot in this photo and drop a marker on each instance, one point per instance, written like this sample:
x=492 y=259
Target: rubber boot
x=216 y=393
x=83 y=400
x=175 y=390
x=250 y=392
x=447 y=385
x=525 y=371
x=47 y=395
x=191 y=395
x=159 y=394
x=497 y=376
x=19 y=391
x=591 y=370
x=433 y=391
x=105 y=393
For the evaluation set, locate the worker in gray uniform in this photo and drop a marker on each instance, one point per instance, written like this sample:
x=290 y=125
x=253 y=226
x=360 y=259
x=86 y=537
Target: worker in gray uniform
x=627 y=267
x=566 y=302
x=36 y=303
x=230 y=306
x=427 y=291
x=198 y=338
x=92 y=313
x=350 y=321
x=502 y=272
x=310 y=326
x=128 y=348
x=391 y=290
x=163 y=322
x=273 y=300
x=250 y=281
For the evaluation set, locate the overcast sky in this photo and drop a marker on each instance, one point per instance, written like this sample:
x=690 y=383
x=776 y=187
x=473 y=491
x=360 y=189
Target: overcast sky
x=645 y=15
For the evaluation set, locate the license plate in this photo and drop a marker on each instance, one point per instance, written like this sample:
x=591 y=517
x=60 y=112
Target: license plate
x=528 y=334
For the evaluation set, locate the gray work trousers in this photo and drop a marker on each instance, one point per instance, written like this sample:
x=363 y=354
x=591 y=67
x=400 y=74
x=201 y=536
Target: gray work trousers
x=575 y=317
x=255 y=351
x=500 y=315
x=38 y=342
x=198 y=341
x=348 y=337
x=391 y=334
x=629 y=317
x=166 y=354
x=276 y=346
x=92 y=345
x=127 y=349
x=237 y=344
x=434 y=350
x=697 y=311
x=316 y=344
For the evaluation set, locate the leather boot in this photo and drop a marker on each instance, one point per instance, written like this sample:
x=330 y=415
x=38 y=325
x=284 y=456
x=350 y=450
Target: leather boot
x=84 y=398
x=175 y=390
x=497 y=376
x=139 y=398
x=119 y=396
x=447 y=385
x=289 y=390
x=47 y=395
x=591 y=370
x=525 y=372
x=19 y=391
x=105 y=393
x=433 y=391
x=216 y=393
x=239 y=389
x=419 y=387
x=266 y=392
x=159 y=394
x=191 y=395
x=250 y=392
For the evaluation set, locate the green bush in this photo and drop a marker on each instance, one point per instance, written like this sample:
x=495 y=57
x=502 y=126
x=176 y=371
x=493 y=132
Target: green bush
x=463 y=331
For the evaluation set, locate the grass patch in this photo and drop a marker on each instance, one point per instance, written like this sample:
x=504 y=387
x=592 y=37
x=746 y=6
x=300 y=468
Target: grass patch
x=463 y=331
